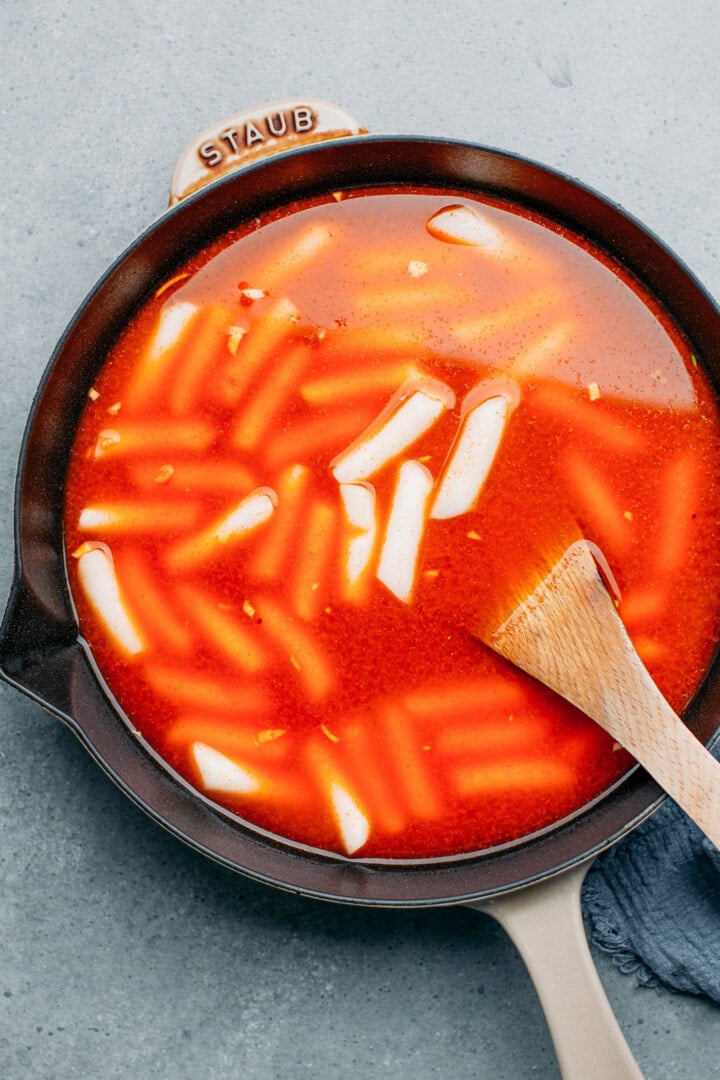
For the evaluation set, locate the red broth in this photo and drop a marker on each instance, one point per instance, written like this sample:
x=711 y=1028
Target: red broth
x=306 y=461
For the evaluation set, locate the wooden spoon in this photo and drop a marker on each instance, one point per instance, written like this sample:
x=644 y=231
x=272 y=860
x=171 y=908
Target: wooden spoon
x=568 y=635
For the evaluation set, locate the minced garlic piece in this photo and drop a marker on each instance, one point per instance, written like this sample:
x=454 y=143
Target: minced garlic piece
x=93 y=394
x=115 y=408
x=416 y=268
x=593 y=391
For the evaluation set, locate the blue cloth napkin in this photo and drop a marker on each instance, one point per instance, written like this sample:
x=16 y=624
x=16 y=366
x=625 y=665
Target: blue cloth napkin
x=653 y=904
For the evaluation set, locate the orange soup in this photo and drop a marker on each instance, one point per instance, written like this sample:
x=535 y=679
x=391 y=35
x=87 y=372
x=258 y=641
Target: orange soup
x=313 y=458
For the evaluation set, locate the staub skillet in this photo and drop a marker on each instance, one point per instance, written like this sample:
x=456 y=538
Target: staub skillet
x=250 y=163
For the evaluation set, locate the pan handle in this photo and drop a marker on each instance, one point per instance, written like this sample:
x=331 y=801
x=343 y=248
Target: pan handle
x=248 y=136
x=545 y=923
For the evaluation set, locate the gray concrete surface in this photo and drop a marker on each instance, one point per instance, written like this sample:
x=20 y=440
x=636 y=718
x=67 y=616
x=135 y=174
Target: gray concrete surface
x=123 y=955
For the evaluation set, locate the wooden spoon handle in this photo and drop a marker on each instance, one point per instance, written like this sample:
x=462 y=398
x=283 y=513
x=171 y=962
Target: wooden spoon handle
x=569 y=636
x=683 y=768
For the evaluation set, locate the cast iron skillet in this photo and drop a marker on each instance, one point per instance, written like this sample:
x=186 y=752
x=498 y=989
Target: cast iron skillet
x=42 y=654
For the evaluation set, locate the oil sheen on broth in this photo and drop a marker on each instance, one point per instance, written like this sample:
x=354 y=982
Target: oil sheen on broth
x=309 y=459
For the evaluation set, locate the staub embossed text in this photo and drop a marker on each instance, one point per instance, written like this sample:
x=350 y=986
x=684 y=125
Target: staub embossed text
x=299 y=120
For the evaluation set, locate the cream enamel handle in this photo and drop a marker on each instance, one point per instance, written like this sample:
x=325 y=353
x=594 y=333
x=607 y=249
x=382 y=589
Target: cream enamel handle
x=545 y=923
x=247 y=136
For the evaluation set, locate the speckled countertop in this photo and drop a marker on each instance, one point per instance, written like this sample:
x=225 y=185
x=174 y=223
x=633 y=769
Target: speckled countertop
x=122 y=954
